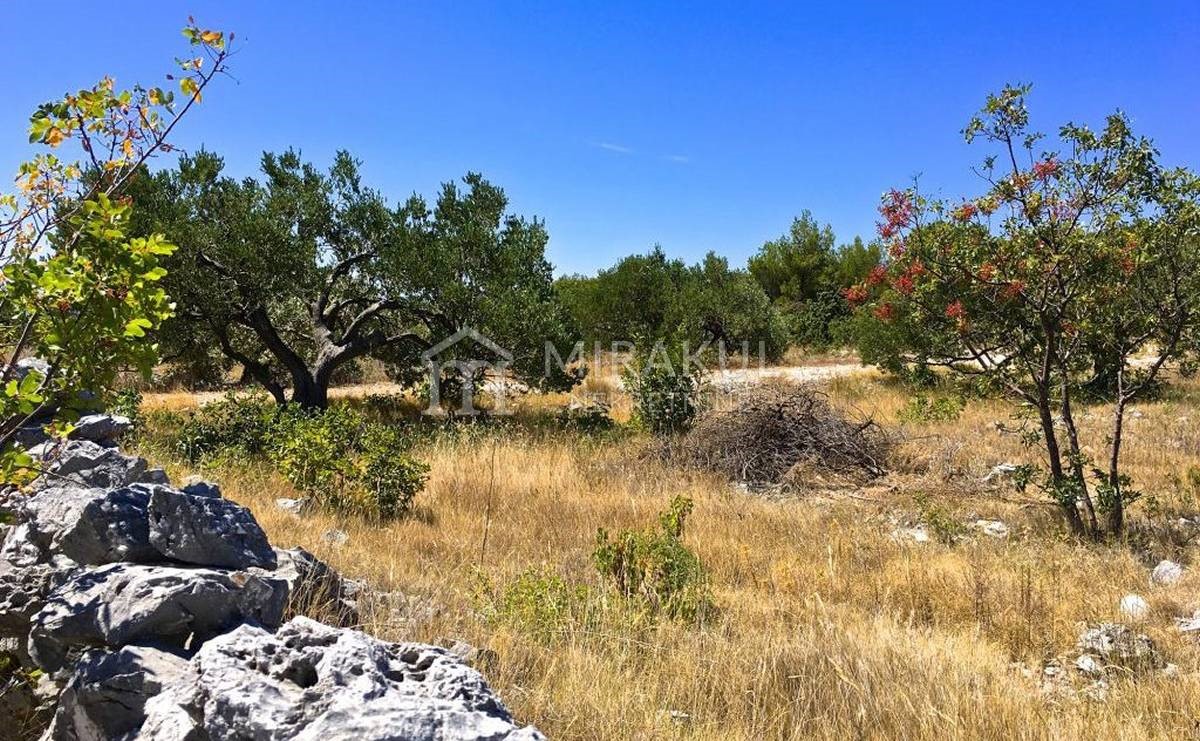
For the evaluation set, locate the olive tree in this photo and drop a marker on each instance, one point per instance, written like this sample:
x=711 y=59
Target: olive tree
x=297 y=275
x=1078 y=256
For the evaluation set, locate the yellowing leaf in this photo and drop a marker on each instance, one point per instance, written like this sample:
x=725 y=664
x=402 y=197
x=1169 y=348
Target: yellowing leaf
x=54 y=136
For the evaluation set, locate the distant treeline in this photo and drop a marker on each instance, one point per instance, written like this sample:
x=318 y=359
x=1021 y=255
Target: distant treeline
x=791 y=293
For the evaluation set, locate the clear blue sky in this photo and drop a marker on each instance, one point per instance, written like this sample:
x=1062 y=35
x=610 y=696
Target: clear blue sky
x=699 y=126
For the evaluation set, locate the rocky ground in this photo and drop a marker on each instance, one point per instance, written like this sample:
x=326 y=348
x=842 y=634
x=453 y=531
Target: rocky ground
x=130 y=609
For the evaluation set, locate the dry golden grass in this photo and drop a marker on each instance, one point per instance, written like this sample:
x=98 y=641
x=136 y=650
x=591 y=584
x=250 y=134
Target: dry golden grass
x=829 y=627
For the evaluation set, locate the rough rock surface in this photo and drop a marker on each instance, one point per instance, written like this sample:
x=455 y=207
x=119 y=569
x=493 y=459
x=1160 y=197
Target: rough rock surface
x=93 y=526
x=315 y=588
x=1166 y=572
x=1119 y=645
x=103 y=429
x=28 y=574
x=107 y=694
x=151 y=610
x=207 y=530
x=90 y=464
x=118 y=604
x=311 y=681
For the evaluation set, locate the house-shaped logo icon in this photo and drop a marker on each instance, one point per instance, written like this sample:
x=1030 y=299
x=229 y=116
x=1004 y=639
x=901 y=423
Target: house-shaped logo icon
x=468 y=369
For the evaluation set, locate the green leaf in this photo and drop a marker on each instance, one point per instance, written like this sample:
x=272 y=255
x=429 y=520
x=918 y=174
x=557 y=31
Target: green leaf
x=137 y=327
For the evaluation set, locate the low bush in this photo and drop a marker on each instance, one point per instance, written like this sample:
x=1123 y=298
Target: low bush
x=924 y=408
x=237 y=423
x=347 y=463
x=665 y=389
x=538 y=603
x=653 y=570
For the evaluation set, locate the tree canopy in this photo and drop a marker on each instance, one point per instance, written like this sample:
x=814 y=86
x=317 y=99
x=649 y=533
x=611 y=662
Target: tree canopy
x=297 y=274
x=1076 y=257
x=650 y=297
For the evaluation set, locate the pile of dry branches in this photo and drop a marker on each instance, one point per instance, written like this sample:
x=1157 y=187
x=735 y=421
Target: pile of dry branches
x=783 y=433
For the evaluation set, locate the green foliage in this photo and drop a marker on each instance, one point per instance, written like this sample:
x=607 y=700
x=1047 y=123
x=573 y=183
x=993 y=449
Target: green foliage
x=235 y=424
x=665 y=388
x=347 y=463
x=538 y=603
x=298 y=275
x=1081 y=253
x=924 y=408
x=650 y=297
x=654 y=571
x=803 y=274
x=946 y=528
x=77 y=288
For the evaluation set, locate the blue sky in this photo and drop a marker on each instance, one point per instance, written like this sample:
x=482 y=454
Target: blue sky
x=700 y=126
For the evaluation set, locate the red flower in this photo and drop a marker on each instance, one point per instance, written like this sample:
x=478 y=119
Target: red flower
x=896 y=210
x=877 y=276
x=956 y=310
x=855 y=295
x=1046 y=169
x=965 y=212
x=885 y=312
x=904 y=284
x=896 y=249
x=1013 y=289
x=987 y=271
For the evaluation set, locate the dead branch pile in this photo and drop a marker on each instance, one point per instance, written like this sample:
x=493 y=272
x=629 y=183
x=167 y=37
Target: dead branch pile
x=783 y=433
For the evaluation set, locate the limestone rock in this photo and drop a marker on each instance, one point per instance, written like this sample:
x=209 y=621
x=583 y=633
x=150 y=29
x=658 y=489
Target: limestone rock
x=1166 y=572
x=102 y=429
x=93 y=526
x=106 y=696
x=28 y=574
x=316 y=589
x=118 y=604
x=88 y=464
x=1134 y=607
x=311 y=681
x=1119 y=644
x=208 y=531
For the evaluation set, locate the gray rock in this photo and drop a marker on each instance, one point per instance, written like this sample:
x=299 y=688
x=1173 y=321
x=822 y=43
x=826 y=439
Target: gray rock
x=316 y=589
x=93 y=526
x=28 y=574
x=1001 y=472
x=122 y=603
x=1119 y=644
x=198 y=487
x=103 y=429
x=295 y=507
x=106 y=696
x=88 y=464
x=335 y=537
x=1166 y=572
x=311 y=681
x=209 y=531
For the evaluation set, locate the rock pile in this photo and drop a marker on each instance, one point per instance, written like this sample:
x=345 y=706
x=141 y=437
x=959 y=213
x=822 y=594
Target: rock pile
x=156 y=613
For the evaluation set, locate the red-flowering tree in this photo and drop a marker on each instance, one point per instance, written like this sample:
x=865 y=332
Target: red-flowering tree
x=1075 y=259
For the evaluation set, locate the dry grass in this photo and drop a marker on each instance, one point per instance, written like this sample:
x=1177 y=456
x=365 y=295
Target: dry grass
x=829 y=627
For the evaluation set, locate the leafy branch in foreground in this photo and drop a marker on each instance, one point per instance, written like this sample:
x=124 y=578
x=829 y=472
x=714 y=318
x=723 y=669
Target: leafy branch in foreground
x=76 y=292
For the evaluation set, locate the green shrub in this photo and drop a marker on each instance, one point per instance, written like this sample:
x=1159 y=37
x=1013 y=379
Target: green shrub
x=538 y=603
x=665 y=389
x=653 y=570
x=347 y=463
x=923 y=408
x=233 y=424
x=946 y=529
